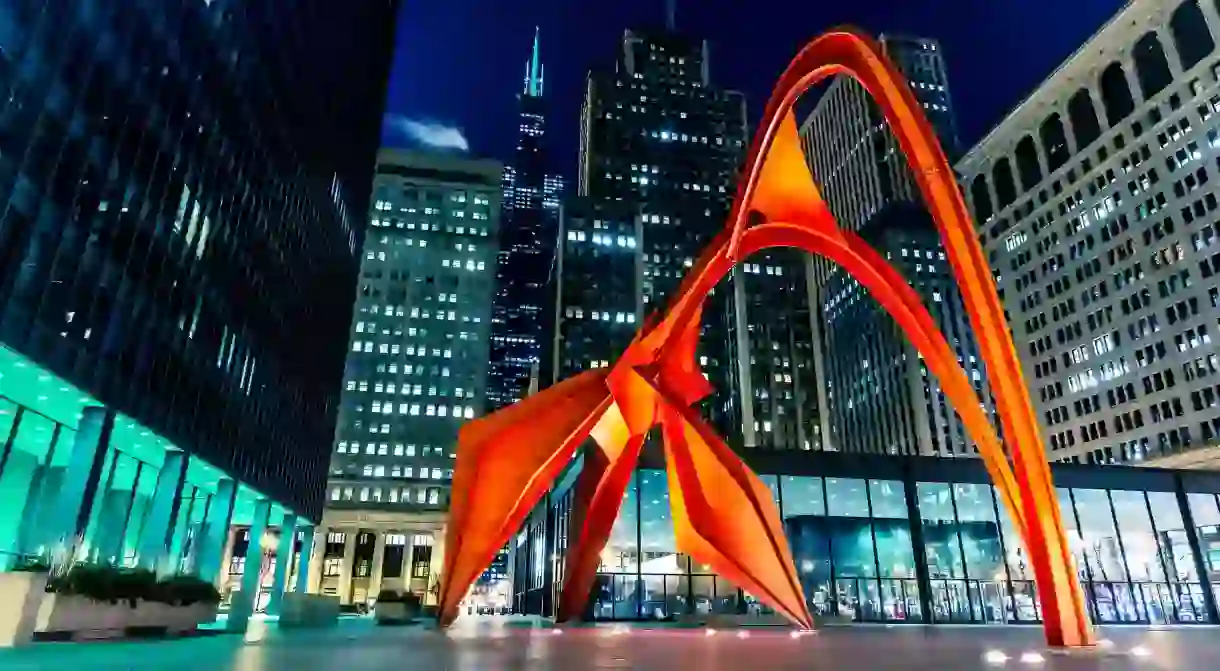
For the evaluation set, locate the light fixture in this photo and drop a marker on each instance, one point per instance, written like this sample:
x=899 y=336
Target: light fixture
x=995 y=657
x=1032 y=657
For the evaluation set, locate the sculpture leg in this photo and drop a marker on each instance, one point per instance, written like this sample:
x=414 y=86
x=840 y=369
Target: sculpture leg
x=599 y=495
x=724 y=515
x=505 y=464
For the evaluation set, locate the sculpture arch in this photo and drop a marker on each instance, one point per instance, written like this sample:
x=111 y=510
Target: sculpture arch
x=723 y=514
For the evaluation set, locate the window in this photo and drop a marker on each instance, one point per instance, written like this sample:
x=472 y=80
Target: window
x=1083 y=118
x=1005 y=190
x=1027 y=163
x=1054 y=143
x=1115 y=94
x=1190 y=34
x=1151 y=66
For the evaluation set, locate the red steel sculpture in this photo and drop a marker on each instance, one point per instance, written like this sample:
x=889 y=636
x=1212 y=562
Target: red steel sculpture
x=723 y=514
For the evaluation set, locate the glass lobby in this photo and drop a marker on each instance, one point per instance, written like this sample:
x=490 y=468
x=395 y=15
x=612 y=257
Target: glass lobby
x=856 y=544
x=39 y=413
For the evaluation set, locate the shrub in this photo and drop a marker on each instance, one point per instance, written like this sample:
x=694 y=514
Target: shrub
x=389 y=596
x=32 y=565
x=186 y=590
x=112 y=584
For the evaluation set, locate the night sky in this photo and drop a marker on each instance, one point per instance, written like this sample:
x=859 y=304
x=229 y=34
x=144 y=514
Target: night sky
x=459 y=63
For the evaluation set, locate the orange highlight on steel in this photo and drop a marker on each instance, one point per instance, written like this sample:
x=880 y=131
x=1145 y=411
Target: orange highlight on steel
x=723 y=513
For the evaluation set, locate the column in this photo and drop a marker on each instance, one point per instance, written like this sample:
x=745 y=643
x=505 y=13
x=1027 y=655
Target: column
x=162 y=510
x=1211 y=15
x=435 y=567
x=304 y=560
x=923 y=577
x=345 y=567
x=283 y=558
x=378 y=560
x=12 y=438
x=216 y=530
x=1196 y=550
x=180 y=528
x=74 y=499
x=314 y=573
x=1170 y=49
x=242 y=605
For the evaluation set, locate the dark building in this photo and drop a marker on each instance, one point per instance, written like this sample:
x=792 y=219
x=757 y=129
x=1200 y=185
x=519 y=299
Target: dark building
x=771 y=335
x=883 y=397
x=183 y=187
x=877 y=395
x=902 y=539
x=527 y=250
x=597 y=288
x=659 y=155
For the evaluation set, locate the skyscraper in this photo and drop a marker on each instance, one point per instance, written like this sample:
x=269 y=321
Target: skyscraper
x=1096 y=203
x=416 y=370
x=527 y=248
x=182 y=188
x=659 y=153
x=878 y=396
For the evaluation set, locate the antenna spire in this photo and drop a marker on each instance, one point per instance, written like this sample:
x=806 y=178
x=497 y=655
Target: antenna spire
x=533 y=70
x=671 y=9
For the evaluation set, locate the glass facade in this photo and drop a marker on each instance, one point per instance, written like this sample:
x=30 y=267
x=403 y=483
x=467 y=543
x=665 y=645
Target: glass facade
x=40 y=418
x=182 y=185
x=912 y=540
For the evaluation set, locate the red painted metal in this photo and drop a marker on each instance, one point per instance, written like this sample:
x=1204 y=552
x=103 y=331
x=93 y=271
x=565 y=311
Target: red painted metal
x=723 y=514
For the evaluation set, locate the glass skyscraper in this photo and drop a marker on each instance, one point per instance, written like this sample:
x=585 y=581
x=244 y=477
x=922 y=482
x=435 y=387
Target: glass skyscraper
x=527 y=250
x=659 y=154
x=183 y=187
x=877 y=394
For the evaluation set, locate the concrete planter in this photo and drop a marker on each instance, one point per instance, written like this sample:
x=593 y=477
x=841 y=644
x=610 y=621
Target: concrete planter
x=308 y=611
x=81 y=617
x=395 y=612
x=21 y=596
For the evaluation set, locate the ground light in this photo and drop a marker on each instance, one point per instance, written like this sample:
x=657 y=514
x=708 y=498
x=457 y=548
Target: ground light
x=1140 y=651
x=995 y=657
x=1032 y=657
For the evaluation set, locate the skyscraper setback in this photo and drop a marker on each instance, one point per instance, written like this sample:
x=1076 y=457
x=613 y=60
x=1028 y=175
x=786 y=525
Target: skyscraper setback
x=529 y=218
x=879 y=396
x=659 y=153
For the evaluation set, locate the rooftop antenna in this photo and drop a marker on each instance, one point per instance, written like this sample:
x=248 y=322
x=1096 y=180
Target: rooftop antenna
x=533 y=70
x=671 y=8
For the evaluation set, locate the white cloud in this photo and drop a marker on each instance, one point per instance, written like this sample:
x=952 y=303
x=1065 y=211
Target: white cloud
x=431 y=133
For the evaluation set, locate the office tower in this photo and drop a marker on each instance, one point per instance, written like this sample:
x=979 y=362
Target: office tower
x=1096 y=202
x=527 y=249
x=659 y=153
x=883 y=399
x=877 y=393
x=182 y=188
x=417 y=369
